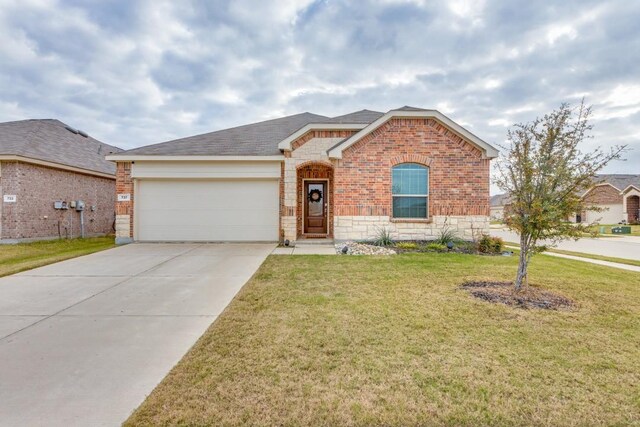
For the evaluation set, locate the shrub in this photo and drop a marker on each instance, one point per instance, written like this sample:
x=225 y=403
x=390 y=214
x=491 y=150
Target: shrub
x=383 y=237
x=407 y=245
x=490 y=245
x=436 y=247
x=446 y=236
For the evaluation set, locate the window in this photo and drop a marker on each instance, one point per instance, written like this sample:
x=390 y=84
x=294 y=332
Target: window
x=410 y=191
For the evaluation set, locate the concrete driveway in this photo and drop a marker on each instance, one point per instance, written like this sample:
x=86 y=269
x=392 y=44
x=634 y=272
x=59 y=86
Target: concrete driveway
x=84 y=341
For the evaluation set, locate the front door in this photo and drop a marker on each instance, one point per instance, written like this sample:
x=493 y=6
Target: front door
x=315 y=207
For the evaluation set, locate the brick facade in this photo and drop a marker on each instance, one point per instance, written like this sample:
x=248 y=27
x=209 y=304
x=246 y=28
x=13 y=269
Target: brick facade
x=37 y=187
x=633 y=209
x=124 y=209
x=360 y=200
x=458 y=175
x=603 y=195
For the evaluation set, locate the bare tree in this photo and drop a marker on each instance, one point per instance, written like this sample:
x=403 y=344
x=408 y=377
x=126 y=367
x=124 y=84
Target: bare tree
x=545 y=173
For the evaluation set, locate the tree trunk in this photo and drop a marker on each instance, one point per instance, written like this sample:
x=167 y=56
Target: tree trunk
x=521 y=277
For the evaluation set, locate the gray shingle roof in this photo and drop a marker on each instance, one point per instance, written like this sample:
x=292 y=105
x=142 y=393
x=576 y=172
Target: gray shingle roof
x=256 y=139
x=362 y=116
x=619 y=181
x=499 y=200
x=50 y=141
x=408 y=108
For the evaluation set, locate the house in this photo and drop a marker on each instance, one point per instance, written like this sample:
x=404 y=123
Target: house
x=618 y=195
x=46 y=167
x=410 y=171
x=497 y=204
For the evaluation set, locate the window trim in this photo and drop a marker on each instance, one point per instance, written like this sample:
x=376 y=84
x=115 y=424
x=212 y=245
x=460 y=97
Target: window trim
x=426 y=196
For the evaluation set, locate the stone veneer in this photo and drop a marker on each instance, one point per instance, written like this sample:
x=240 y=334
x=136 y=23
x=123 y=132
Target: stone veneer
x=309 y=149
x=368 y=227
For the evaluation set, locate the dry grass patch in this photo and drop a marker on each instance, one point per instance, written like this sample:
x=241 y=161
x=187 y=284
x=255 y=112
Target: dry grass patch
x=314 y=340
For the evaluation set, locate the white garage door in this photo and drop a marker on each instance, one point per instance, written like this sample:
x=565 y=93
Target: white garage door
x=612 y=214
x=207 y=210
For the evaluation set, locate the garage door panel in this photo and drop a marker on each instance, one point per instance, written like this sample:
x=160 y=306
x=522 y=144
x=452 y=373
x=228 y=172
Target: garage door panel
x=612 y=214
x=207 y=210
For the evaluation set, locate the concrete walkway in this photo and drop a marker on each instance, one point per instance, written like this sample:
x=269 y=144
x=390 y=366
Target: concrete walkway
x=84 y=341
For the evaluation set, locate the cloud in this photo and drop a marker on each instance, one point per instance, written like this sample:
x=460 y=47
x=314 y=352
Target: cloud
x=134 y=73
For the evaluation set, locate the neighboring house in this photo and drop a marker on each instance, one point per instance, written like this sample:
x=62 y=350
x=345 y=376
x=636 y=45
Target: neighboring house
x=45 y=167
x=618 y=195
x=498 y=203
x=409 y=171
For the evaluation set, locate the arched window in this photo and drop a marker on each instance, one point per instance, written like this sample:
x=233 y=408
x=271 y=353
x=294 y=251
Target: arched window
x=410 y=191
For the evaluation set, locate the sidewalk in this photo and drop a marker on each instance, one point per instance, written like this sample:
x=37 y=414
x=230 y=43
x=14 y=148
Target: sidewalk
x=305 y=250
x=592 y=261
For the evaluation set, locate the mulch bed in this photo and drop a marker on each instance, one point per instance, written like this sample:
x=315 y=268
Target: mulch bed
x=529 y=297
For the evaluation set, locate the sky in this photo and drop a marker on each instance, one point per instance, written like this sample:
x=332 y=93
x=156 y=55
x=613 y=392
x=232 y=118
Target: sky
x=132 y=73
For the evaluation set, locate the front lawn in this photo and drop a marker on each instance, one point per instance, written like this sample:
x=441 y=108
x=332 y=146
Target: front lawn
x=351 y=340
x=25 y=256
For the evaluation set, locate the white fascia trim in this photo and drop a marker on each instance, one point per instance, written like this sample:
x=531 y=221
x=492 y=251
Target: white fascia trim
x=134 y=157
x=12 y=158
x=489 y=151
x=629 y=187
x=285 y=144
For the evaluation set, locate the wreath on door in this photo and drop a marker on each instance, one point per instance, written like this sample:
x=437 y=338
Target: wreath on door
x=315 y=196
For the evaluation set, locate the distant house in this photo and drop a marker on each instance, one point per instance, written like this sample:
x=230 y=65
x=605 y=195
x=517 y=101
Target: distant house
x=497 y=205
x=618 y=194
x=48 y=171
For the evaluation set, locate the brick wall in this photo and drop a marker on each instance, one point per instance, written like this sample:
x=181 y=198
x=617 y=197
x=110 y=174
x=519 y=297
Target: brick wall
x=37 y=187
x=124 y=210
x=603 y=195
x=458 y=175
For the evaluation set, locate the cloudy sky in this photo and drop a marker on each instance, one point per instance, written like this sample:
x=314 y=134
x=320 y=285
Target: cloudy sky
x=137 y=72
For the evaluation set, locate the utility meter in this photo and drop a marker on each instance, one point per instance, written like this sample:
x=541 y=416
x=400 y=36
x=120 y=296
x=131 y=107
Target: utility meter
x=79 y=205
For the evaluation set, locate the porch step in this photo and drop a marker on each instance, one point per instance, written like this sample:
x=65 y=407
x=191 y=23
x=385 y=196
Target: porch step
x=314 y=242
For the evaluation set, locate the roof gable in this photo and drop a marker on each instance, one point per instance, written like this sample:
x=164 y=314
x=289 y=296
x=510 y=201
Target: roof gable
x=487 y=150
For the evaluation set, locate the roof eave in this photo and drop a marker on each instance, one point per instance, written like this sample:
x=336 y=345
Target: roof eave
x=489 y=152
x=192 y=158
x=54 y=165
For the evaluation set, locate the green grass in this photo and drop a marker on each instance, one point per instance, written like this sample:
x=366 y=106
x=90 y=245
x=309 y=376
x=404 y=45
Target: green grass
x=315 y=340
x=589 y=256
x=25 y=256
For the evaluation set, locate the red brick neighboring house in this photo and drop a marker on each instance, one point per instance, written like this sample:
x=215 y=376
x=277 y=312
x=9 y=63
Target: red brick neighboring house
x=618 y=195
x=410 y=171
x=43 y=162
